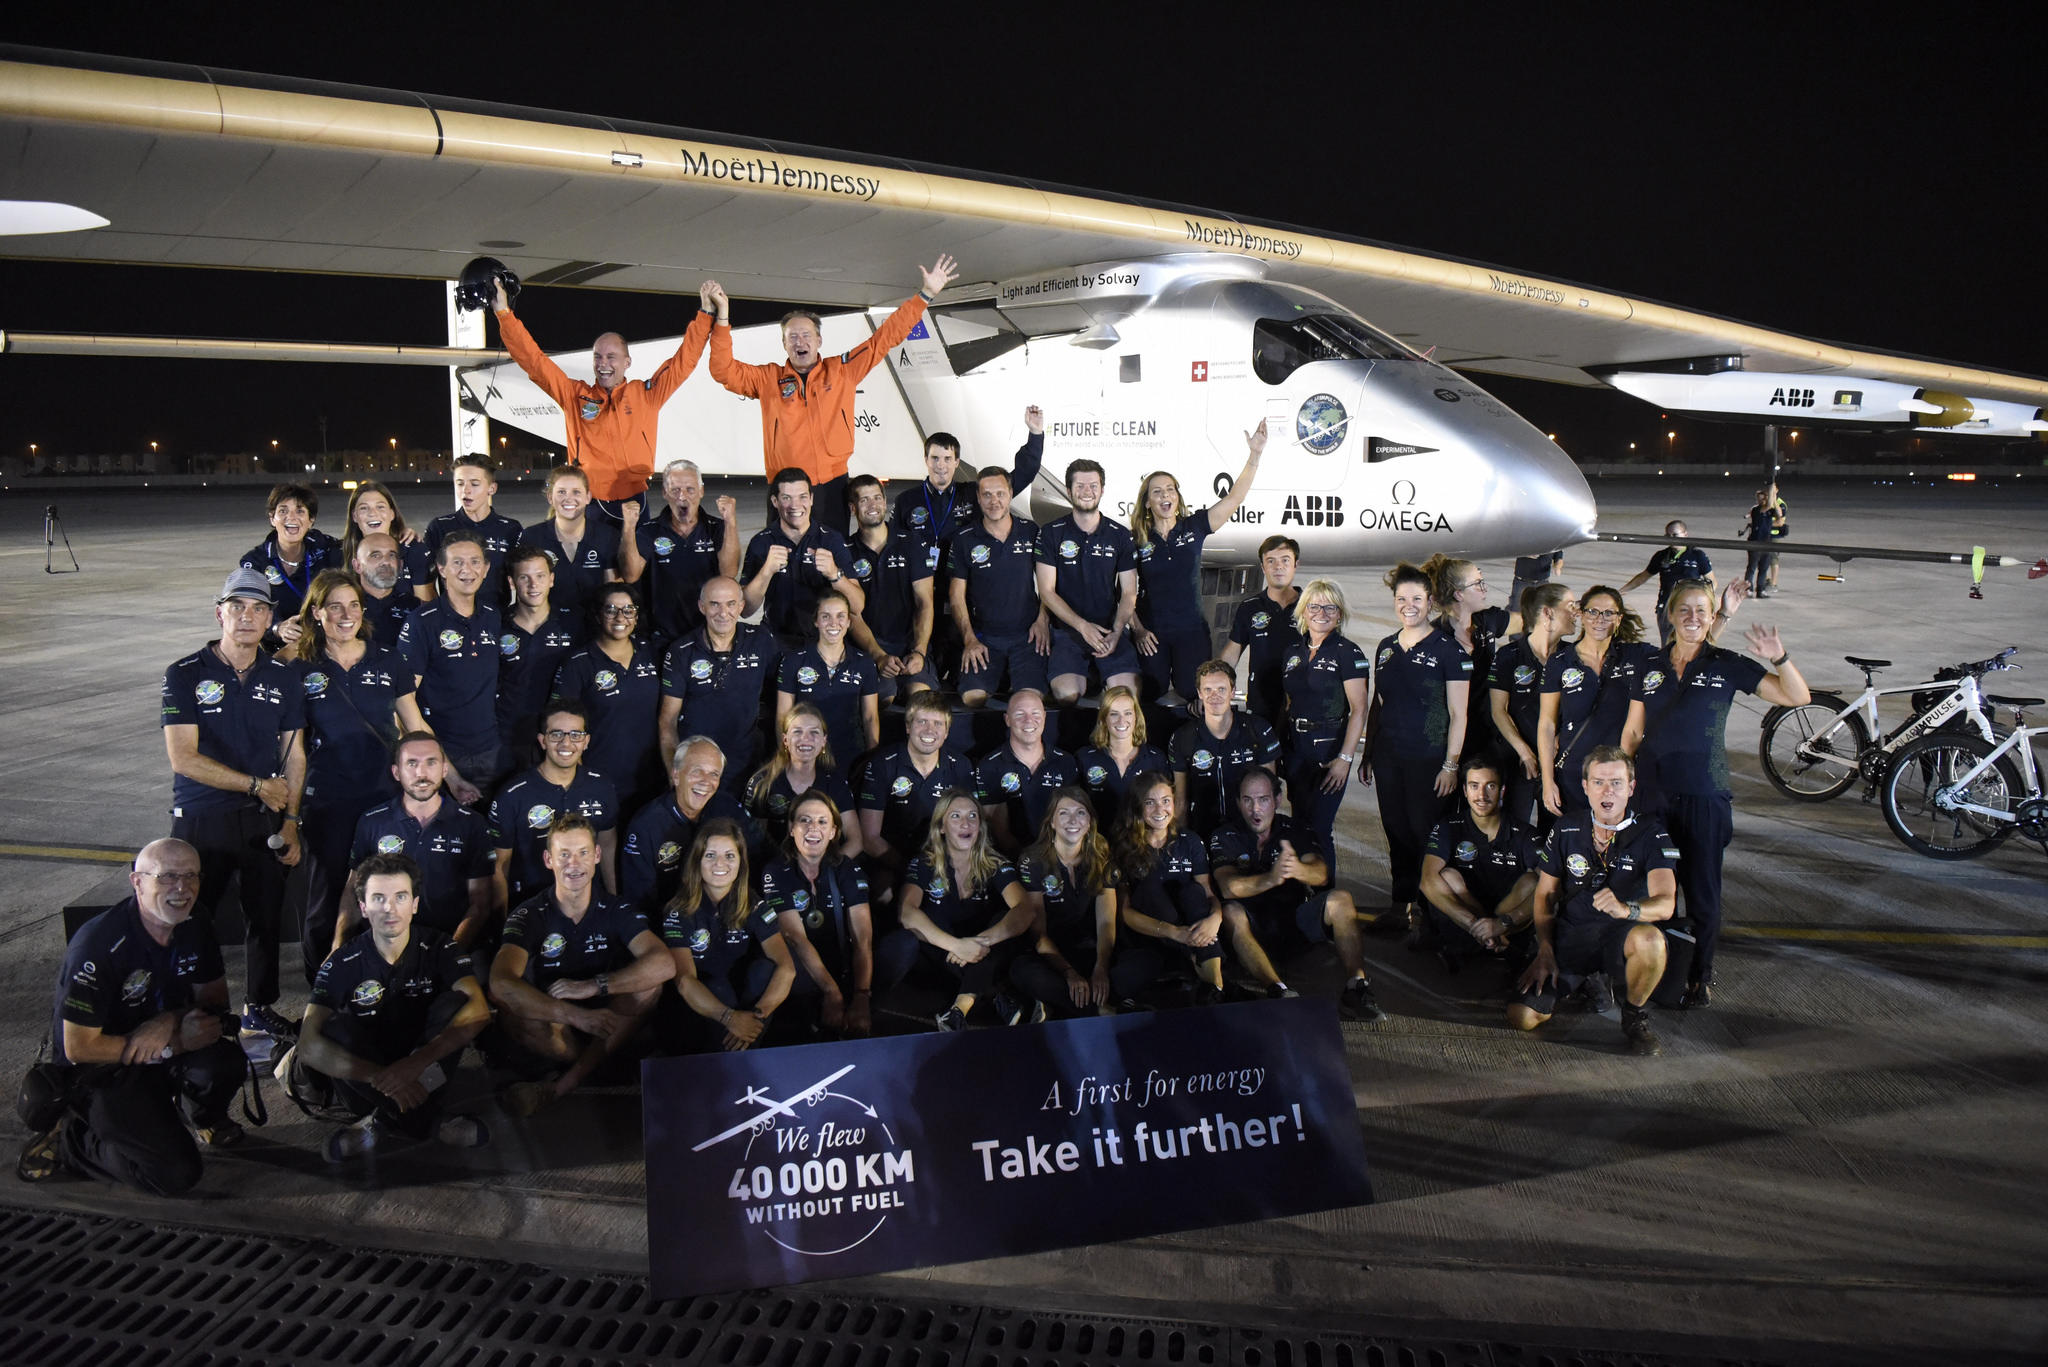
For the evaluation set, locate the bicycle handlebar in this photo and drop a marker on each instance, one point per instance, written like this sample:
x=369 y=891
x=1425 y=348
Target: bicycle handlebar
x=2002 y=660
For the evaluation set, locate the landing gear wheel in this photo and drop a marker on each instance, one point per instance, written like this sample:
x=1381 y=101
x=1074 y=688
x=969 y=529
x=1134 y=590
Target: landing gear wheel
x=1812 y=753
x=1923 y=794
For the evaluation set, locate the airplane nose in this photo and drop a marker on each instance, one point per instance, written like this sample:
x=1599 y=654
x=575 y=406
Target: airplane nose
x=1556 y=506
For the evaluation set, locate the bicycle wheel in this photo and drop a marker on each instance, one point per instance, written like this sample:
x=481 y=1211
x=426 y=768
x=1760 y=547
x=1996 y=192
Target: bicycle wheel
x=1811 y=753
x=1921 y=789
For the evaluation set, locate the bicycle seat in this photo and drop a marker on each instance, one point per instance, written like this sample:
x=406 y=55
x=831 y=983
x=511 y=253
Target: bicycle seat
x=1868 y=664
x=1996 y=701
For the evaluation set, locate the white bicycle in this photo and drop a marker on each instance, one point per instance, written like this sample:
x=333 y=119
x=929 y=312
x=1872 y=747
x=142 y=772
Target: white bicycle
x=1953 y=796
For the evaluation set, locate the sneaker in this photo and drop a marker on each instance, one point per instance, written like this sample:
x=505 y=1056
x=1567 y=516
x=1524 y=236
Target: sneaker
x=268 y=1020
x=42 y=1157
x=1393 y=920
x=221 y=1134
x=1696 y=995
x=1358 y=1003
x=1008 y=1010
x=463 y=1132
x=1280 y=991
x=524 y=1099
x=1206 y=995
x=1635 y=1028
x=353 y=1141
x=1599 y=994
x=951 y=1020
x=1037 y=1013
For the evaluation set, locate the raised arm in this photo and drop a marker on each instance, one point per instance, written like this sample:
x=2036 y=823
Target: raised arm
x=1221 y=511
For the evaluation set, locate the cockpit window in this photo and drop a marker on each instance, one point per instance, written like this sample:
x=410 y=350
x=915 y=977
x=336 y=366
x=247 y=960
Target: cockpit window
x=1281 y=346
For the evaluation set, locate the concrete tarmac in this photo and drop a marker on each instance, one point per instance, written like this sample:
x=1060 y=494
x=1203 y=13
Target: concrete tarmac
x=1841 y=1160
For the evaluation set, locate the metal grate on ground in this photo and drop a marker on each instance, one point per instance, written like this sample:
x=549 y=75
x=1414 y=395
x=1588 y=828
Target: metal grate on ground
x=89 y=1291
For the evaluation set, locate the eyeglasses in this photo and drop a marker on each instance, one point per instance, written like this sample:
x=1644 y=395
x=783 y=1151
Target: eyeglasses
x=568 y=735
x=620 y=610
x=1321 y=610
x=1474 y=584
x=1599 y=614
x=175 y=878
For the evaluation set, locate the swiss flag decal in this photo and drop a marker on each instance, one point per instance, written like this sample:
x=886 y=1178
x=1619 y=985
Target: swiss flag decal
x=1201 y=372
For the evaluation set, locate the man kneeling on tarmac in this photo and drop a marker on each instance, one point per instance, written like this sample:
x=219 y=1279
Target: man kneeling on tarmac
x=388 y=1007
x=1604 y=879
x=578 y=972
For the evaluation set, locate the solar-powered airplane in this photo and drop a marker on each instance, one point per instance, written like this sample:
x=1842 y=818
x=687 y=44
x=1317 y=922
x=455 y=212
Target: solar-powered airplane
x=1152 y=335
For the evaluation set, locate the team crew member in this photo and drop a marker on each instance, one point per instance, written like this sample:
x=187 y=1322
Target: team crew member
x=651 y=859
x=388 y=1007
x=1275 y=885
x=1416 y=731
x=792 y=562
x=902 y=784
x=1532 y=570
x=1764 y=524
x=1116 y=753
x=963 y=902
x=1263 y=628
x=538 y=637
x=525 y=808
x=376 y=563
x=713 y=680
x=820 y=900
x=231 y=722
x=1164 y=897
x=1514 y=691
x=1479 y=874
x=840 y=682
x=1585 y=693
x=583 y=554
x=1212 y=752
x=1016 y=782
x=1458 y=590
x=1170 y=631
x=611 y=424
x=578 y=972
x=137 y=1027
x=1070 y=881
x=1004 y=632
x=358 y=701
x=1325 y=719
x=293 y=553
x=450 y=845
x=807 y=402
x=733 y=968
x=1603 y=882
x=452 y=646
x=895 y=575
x=1088 y=581
x=373 y=511
x=476 y=485
x=802 y=761
x=1673 y=565
x=1677 y=730
x=937 y=510
x=679 y=552
x=616 y=682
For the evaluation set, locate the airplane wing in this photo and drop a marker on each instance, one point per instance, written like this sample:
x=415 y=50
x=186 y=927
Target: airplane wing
x=195 y=166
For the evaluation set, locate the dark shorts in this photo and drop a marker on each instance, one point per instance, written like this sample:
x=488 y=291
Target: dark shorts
x=1013 y=664
x=923 y=675
x=1070 y=655
x=1581 y=949
x=1285 y=919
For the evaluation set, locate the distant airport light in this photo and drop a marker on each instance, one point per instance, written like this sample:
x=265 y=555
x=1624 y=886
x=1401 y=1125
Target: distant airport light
x=1631 y=446
x=348 y=484
x=1671 y=436
x=1962 y=476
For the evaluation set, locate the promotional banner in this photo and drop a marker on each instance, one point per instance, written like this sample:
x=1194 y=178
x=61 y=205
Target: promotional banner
x=835 y=1160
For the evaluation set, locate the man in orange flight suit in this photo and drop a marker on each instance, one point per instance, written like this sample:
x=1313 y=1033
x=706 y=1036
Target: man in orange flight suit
x=611 y=424
x=807 y=402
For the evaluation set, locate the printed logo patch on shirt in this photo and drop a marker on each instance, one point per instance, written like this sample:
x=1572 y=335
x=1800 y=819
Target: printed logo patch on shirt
x=1524 y=675
x=450 y=640
x=270 y=572
x=590 y=408
x=789 y=389
x=700 y=670
x=1466 y=852
x=1069 y=549
x=664 y=544
x=901 y=787
x=1261 y=620
x=316 y=684
x=979 y=555
x=390 y=844
x=1653 y=681
x=606 y=680
x=1202 y=760
x=135 y=987
x=552 y=947
x=1572 y=677
x=1386 y=654
x=508 y=644
x=938 y=887
x=539 y=815
x=209 y=692
x=669 y=855
x=367 y=994
x=806 y=676
x=1011 y=783
x=1578 y=866
x=1096 y=775
x=1051 y=885
x=700 y=940
x=918 y=517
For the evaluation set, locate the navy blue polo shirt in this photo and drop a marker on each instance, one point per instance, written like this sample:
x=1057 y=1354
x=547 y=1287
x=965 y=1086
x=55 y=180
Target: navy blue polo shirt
x=1415 y=708
x=499 y=534
x=1490 y=868
x=452 y=848
x=1267 y=634
x=456 y=661
x=288 y=587
x=837 y=691
x=558 y=947
x=1001 y=779
x=1571 y=857
x=390 y=1003
x=527 y=664
x=935 y=517
x=1685 y=720
x=241 y=724
x=657 y=841
x=1592 y=708
x=1170 y=575
x=1235 y=847
x=906 y=799
x=577 y=586
x=678 y=565
x=522 y=810
x=350 y=723
x=1213 y=766
x=1107 y=784
x=621 y=702
x=770 y=810
x=791 y=601
x=116 y=978
x=386 y=616
x=1316 y=700
x=1086 y=564
x=953 y=909
x=1001 y=577
x=1531 y=570
x=1069 y=907
x=889 y=578
x=719 y=949
x=1673 y=568
x=1517 y=672
x=721 y=690
x=1182 y=861
x=823 y=906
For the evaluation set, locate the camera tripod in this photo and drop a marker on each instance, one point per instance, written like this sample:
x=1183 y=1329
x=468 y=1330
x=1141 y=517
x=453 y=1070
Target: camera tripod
x=53 y=532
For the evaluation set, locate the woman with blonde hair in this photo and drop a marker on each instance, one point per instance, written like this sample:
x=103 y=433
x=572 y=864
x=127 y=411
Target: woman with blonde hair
x=963 y=900
x=732 y=968
x=1327 y=690
x=802 y=763
x=1116 y=752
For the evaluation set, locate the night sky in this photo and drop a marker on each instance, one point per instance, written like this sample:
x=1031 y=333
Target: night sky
x=1823 y=175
